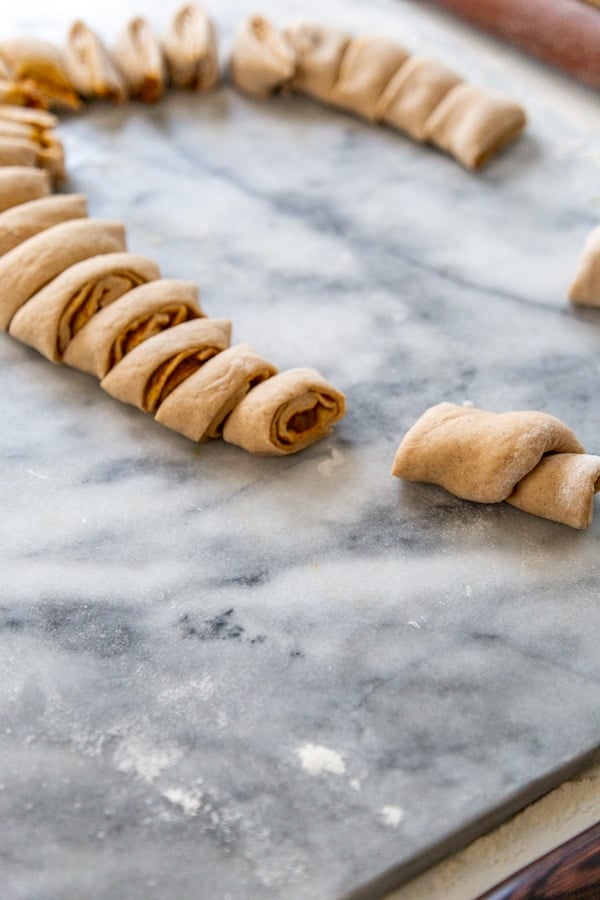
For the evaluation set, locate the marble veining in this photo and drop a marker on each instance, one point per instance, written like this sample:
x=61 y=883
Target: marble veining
x=228 y=677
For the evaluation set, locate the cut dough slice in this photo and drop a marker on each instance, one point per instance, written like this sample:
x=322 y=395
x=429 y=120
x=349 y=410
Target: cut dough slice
x=367 y=66
x=560 y=488
x=190 y=48
x=21 y=222
x=37 y=66
x=472 y=123
x=90 y=66
x=201 y=403
x=411 y=96
x=35 y=262
x=18 y=152
x=586 y=284
x=319 y=50
x=59 y=311
x=139 y=57
x=262 y=59
x=141 y=313
x=285 y=414
x=20 y=184
x=37 y=118
x=146 y=376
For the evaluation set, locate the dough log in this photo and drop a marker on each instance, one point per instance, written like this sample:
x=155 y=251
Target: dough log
x=57 y=313
x=375 y=78
x=529 y=459
x=284 y=414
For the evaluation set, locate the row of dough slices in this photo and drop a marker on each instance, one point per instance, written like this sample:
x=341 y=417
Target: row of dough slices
x=36 y=73
x=377 y=79
x=70 y=289
x=27 y=138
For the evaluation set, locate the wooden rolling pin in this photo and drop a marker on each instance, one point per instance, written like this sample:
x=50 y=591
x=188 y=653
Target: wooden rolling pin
x=563 y=33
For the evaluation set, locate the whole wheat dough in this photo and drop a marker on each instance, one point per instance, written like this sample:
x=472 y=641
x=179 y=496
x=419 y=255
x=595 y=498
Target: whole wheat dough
x=318 y=53
x=146 y=376
x=90 y=66
x=472 y=123
x=139 y=56
x=35 y=262
x=59 y=311
x=585 y=288
x=39 y=67
x=530 y=459
x=141 y=313
x=20 y=184
x=262 y=59
x=199 y=406
x=284 y=414
x=21 y=222
x=367 y=66
x=190 y=48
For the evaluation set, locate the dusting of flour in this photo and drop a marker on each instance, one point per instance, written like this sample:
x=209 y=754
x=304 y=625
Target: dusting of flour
x=392 y=815
x=319 y=760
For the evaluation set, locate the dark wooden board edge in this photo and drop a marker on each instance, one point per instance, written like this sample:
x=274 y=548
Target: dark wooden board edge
x=397 y=876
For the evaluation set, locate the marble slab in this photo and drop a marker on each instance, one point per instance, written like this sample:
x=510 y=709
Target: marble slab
x=228 y=677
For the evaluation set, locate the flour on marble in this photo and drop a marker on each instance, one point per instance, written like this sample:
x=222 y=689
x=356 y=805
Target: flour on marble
x=134 y=758
x=189 y=801
x=392 y=815
x=319 y=760
x=327 y=466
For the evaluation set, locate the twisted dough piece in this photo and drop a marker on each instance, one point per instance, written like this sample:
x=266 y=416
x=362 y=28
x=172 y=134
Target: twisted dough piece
x=190 y=48
x=18 y=184
x=23 y=221
x=375 y=78
x=31 y=134
x=529 y=459
x=139 y=57
x=585 y=288
x=37 y=68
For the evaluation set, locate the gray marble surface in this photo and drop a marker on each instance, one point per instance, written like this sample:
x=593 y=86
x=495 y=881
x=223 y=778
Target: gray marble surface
x=228 y=677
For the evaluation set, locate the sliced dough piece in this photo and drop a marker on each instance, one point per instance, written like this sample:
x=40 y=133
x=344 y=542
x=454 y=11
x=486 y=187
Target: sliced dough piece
x=262 y=59
x=367 y=66
x=479 y=455
x=146 y=376
x=473 y=123
x=21 y=222
x=141 y=313
x=18 y=152
x=411 y=96
x=20 y=95
x=201 y=403
x=58 y=312
x=35 y=262
x=37 y=65
x=90 y=66
x=585 y=288
x=40 y=119
x=285 y=414
x=19 y=184
x=560 y=488
x=190 y=48
x=319 y=50
x=51 y=156
x=140 y=59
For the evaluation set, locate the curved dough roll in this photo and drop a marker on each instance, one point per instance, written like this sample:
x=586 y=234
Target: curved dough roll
x=139 y=57
x=35 y=262
x=413 y=93
x=319 y=50
x=38 y=65
x=19 y=184
x=201 y=403
x=472 y=123
x=190 y=48
x=141 y=313
x=90 y=65
x=21 y=222
x=58 y=312
x=18 y=152
x=530 y=459
x=262 y=59
x=585 y=288
x=366 y=67
x=40 y=119
x=285 y=414
x=146 y=376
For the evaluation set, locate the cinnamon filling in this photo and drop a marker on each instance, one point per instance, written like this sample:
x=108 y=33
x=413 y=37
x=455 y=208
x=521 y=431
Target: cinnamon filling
x=171 y=373
x=144 y=327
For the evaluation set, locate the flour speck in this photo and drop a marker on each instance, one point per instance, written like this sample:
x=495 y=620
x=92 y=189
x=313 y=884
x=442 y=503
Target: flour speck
x=319 y=760
x=392 y=815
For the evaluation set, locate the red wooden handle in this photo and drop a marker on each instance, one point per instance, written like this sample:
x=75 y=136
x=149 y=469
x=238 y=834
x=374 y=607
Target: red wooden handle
x=570 y=871
x=564 y=33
